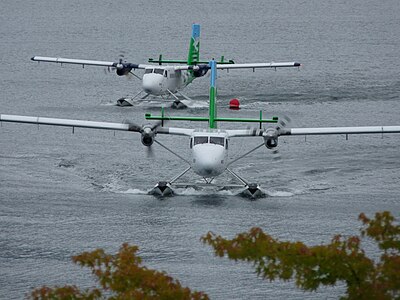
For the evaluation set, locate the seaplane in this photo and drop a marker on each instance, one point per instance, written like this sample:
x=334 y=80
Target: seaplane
x=166 y=82
x=208 y=146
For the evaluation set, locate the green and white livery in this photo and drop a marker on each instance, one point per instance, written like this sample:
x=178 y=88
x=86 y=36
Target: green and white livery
x=208 y=145
x=169 y=77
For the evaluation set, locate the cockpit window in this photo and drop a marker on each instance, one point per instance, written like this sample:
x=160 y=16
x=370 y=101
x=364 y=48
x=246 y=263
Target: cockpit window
x=217 y=140
x=200 y=140
x=148 y=71
x=159 y=71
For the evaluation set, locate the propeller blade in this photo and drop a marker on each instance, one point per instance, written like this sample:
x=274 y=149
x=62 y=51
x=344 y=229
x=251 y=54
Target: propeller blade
x=149 y=152
x=283 y=122
x=156 y=125
x=277 y=155
x=108 y=70
x=133 y=126
x=129 y=76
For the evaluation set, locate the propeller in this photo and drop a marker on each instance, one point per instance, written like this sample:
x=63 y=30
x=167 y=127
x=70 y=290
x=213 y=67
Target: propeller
x=115 y=67
x=271 y=134
x=201 y=70
x=283 y=122
x=123 y=68
x=148 y=133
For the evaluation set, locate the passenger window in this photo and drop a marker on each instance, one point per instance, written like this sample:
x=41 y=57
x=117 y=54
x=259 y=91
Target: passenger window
x=200 y=140
x=217 y=140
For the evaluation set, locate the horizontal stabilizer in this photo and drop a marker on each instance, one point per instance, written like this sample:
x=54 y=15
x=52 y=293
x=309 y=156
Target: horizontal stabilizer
x=149 y=116
x=161 y=61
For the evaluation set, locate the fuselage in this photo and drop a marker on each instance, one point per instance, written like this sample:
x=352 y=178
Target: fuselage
x=161 y=80
x=210 y=152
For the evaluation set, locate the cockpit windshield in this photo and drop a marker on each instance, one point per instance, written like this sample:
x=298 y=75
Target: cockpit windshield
x=200 y=140
x=148 y=71
x=217 y=140
x=212 y=140
x=159 y=71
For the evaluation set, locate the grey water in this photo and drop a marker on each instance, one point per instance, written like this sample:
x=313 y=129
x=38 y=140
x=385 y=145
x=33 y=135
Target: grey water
x=63 y=193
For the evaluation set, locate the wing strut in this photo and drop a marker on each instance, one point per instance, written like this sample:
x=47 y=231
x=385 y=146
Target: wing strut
x=174 y=153
x=179 y=175
x=247 y=153
x=237 y=177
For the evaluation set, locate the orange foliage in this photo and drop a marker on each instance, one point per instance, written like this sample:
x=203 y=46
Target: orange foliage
x=123 y=277
x=312 y=267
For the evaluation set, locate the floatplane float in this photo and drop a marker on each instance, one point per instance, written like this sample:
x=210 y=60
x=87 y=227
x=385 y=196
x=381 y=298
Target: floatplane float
x=166 y=82
x=209 y=146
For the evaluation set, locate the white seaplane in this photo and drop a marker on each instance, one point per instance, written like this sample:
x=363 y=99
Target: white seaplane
x=209 y=146
x=166 y=81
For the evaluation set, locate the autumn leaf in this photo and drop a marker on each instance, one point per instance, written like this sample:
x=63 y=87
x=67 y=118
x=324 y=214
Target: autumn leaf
x=311 y=267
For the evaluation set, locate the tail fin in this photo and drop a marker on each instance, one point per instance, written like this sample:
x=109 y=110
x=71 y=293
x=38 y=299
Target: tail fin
x=194 y=46
x=194 y=52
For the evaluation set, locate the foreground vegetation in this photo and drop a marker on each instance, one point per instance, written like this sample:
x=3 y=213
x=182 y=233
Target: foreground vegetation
x=341 y=260
x=122 y=276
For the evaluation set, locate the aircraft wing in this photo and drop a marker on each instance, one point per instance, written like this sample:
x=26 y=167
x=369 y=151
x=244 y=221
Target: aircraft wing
x=64 y=122
x=271 y=65
x=121 y=64
x=85 y=62
x=341 y=130
x=314 y=131
x=91 y=124
x=259 y=65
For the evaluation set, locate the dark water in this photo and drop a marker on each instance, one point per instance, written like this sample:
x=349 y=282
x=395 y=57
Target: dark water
x=61 y=194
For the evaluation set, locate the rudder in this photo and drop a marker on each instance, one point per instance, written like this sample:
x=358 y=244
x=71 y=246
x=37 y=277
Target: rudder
x=194 y=46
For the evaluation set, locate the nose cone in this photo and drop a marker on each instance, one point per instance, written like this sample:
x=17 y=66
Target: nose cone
x=209 y=160
x=152 y=84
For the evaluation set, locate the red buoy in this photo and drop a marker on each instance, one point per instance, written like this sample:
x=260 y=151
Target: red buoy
x=234 y=104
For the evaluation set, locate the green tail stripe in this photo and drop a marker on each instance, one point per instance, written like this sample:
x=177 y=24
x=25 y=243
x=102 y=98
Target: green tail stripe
x=194 y=46
x=212 y=110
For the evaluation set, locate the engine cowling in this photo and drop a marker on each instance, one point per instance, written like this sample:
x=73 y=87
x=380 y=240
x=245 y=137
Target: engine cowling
x=271 y=143
x=147 y=136
x=122 y=70
x=270 y=138
x=201 y=71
